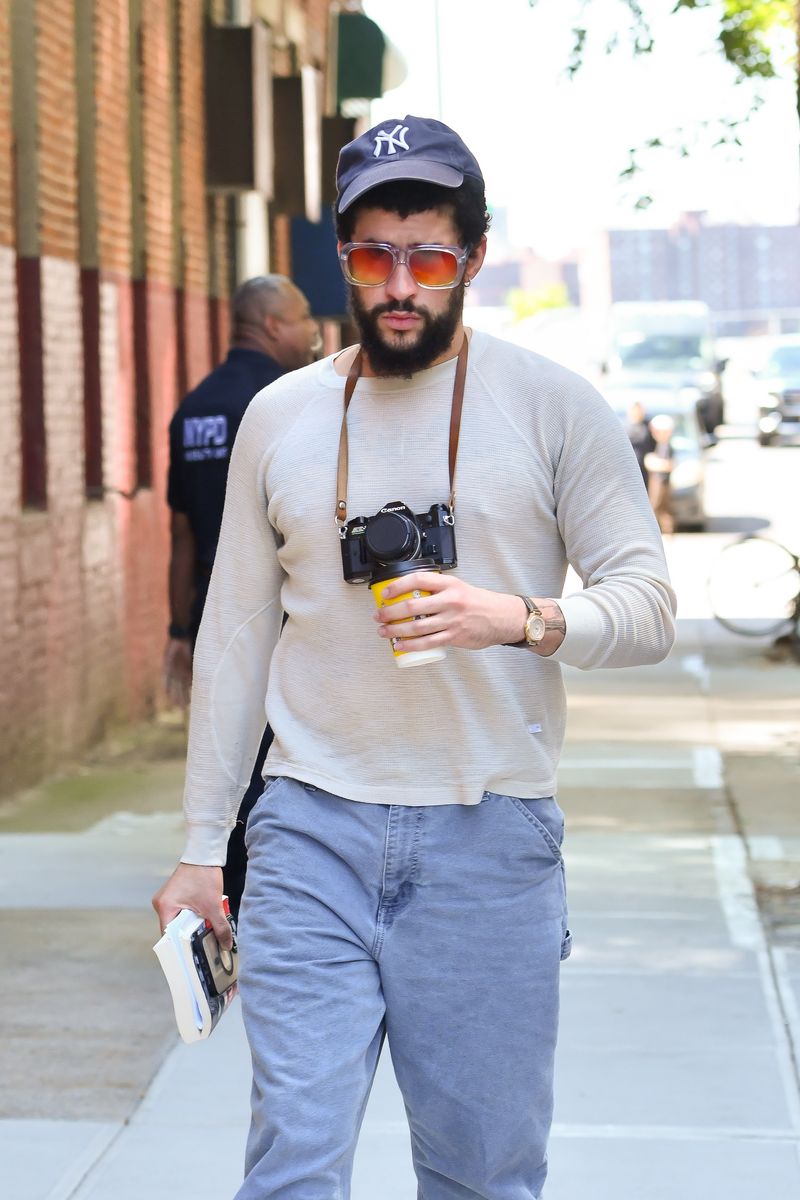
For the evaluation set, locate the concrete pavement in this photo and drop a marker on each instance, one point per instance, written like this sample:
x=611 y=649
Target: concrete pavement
x=677 y=1072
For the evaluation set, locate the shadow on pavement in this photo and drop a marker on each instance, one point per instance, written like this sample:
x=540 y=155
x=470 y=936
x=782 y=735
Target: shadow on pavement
x=736 y=524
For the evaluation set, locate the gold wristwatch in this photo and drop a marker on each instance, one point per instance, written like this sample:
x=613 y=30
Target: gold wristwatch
x=535 y=626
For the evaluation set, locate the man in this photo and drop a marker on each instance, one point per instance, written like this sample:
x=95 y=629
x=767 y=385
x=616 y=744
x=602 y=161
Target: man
x=405 y=873
x=272 y=332
x=659 y=464
x=639 y=436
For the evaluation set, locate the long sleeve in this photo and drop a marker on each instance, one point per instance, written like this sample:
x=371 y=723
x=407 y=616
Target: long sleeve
x=545 y=474
x=238 y=633
x=625 y=615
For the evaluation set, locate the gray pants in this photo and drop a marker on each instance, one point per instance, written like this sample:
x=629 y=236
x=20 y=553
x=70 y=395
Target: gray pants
x=441 y=928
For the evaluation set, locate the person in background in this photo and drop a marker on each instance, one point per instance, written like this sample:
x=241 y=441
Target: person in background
x=658 y=463
x=640 y=437
x=272 y=332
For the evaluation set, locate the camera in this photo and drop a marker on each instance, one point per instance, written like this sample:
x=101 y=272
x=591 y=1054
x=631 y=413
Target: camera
x=396 y=534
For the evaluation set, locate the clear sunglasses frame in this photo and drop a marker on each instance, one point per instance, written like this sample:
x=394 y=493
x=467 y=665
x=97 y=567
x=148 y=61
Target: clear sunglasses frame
x=400 y=258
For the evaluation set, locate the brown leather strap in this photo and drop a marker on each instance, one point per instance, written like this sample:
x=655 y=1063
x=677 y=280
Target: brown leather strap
x=455 y=416
x=455 y=428
x=341 y=472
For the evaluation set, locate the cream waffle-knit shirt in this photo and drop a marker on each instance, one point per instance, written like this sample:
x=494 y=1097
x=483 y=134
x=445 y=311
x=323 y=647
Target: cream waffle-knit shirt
x=545 y=477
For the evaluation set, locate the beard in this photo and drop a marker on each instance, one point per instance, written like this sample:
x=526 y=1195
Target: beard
x=432 y=338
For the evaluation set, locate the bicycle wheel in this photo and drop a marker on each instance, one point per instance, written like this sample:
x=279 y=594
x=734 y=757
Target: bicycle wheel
x=754 y=587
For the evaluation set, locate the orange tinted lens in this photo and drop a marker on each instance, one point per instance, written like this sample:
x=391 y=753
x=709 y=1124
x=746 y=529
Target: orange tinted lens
x=369 y=265
x=433 y=268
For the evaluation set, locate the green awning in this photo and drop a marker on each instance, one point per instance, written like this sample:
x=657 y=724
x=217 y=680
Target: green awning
x=361 y=50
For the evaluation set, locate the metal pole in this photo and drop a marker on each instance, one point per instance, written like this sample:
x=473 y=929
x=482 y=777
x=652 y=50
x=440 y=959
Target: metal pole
x=438 y=44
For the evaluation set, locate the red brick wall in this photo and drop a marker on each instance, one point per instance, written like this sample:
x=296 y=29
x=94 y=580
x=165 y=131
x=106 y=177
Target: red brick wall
x=317 y=18
x=12 y=680
x=143 y=543
x=156 y=117
x=58 y=134
x=194 y=211
x=191 y=145
x=83 y=597
x=6 y=180
x=113 y=178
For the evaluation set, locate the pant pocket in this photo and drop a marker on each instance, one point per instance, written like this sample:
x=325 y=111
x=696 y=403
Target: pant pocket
x=271 y=783
x=545 y=817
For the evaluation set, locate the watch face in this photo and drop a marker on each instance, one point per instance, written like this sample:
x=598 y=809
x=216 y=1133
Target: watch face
x=534 y=628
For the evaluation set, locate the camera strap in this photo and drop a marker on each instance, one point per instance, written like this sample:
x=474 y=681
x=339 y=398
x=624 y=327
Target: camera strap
x=455 y=428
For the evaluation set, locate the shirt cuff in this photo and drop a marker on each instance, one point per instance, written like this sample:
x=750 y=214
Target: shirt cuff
x=206 y=845
x=585 y=632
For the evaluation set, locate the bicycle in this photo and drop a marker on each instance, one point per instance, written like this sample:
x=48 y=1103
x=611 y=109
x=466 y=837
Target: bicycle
x=754 y=590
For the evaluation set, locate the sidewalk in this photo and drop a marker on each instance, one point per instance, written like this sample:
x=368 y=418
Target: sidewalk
x=677 y=1071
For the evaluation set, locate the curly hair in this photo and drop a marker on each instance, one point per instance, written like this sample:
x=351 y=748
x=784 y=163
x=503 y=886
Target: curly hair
x=466 y=204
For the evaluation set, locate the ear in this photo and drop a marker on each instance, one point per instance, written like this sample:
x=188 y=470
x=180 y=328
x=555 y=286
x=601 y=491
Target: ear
x=271 y=326
x=475 y=260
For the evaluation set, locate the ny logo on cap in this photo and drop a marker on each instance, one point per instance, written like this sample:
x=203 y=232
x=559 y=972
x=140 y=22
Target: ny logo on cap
x=394 y=141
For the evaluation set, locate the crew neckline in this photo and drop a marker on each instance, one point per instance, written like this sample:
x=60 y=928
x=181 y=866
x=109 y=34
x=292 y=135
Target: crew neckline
x=430 y=377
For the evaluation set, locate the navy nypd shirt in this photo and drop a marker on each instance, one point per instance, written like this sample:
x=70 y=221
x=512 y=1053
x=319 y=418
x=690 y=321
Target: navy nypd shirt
x=201 y=436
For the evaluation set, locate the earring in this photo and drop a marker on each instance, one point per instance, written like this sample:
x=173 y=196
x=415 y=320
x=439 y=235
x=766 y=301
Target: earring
x=467 y=282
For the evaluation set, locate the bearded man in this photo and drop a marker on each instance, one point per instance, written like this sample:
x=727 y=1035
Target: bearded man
x=405 y=875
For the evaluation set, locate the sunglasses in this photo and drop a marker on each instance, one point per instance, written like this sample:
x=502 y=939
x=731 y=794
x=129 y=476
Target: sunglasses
x=370 y=264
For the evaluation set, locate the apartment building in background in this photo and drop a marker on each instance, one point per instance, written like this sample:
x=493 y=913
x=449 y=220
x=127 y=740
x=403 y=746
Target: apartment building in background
x=749 y=275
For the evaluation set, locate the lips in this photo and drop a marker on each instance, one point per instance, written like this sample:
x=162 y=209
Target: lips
x=400 y=321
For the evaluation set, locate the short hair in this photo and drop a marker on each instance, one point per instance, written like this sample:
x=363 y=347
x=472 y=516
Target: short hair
x=257 y=298
x=466 y=204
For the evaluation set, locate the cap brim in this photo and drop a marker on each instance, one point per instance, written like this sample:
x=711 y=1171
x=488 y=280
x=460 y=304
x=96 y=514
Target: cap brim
x=411 y=168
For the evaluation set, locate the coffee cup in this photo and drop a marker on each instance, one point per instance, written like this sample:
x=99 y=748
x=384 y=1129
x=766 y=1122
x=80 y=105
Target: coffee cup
x=382 y=577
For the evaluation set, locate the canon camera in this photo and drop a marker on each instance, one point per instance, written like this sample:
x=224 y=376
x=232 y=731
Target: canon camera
x=396 y=534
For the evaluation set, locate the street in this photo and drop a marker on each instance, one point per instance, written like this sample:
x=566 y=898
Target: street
x=204 y=206
x=678 y=1061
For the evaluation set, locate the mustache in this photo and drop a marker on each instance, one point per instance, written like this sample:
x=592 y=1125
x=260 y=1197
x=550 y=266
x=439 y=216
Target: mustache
x=398 y=306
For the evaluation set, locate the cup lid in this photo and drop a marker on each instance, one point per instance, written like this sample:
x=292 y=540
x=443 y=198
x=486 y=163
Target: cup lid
x=391 y=570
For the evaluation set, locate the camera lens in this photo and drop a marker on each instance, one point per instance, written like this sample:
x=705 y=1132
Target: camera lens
x=390 y=536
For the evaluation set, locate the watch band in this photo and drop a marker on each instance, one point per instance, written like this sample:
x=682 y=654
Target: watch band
x=533 y=611
x=552 y=623
x=535 y=627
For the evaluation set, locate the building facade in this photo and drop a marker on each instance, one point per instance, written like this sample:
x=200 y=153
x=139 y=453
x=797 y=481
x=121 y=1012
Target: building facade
x=749 y=275
x=118 y=252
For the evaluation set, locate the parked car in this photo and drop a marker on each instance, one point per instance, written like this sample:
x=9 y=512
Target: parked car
x=779 y=392
x=667 y=343
x=689 y=443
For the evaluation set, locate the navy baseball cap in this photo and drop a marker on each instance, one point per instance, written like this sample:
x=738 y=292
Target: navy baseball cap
x=413 y=148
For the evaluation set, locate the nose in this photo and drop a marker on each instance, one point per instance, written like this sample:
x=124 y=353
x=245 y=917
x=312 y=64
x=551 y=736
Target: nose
x=401 y=283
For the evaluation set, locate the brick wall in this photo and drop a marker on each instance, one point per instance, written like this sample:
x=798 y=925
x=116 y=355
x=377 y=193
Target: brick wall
x=83 y=597
x=112 y=114
x=11 y=649
x=57 y=129
x=6 y=180
x=156 y=67
x=62 y=629
x=219 y=262
x=317 y=21
x=194 y=211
